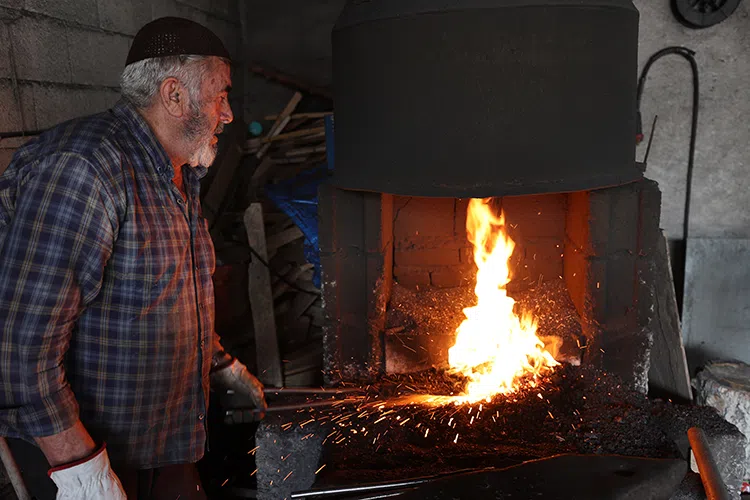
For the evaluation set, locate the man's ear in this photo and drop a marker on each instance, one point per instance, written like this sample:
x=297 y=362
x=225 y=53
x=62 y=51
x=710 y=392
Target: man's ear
x=173 y=97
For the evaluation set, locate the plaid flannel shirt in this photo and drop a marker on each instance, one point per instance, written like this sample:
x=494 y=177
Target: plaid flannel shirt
x=106 y=293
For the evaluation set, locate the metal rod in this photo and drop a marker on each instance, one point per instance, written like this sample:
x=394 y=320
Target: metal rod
x=365 y=488
x=381 y=487
x=310 y=390
x=300 y=406
x=709 y=471
x=14 y=473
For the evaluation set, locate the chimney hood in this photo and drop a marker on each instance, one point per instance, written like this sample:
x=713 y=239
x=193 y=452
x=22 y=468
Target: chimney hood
x=478 y=98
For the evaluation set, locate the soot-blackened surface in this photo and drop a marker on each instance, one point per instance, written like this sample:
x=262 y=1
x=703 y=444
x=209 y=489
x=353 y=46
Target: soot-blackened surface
x=571 y=410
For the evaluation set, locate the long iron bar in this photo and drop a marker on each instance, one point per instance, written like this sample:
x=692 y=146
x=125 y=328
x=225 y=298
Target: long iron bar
x=709 y=471
x=379 y=487
x=311 y=390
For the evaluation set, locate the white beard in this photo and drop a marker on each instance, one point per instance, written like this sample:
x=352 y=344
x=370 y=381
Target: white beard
x=204 y=155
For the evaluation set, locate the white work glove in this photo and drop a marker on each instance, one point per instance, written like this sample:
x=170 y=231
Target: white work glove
x=89 y=479
x=239 y=392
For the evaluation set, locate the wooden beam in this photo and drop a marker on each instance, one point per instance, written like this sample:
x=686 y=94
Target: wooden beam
x=303 y=116
x=261 y=301
x=281 y=121
x=283 y=238
x=305 y=132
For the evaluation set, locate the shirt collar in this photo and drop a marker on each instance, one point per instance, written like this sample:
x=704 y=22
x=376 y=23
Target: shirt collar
x=141 y=130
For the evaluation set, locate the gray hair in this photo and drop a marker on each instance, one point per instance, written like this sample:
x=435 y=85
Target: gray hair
x=140 y=80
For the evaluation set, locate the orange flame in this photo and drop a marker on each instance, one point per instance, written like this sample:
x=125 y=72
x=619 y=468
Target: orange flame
x=494 y=347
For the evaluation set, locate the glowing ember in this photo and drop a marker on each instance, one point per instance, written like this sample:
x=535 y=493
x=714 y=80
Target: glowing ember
x=494 y=347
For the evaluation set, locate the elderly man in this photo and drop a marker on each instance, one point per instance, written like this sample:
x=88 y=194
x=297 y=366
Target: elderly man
x=106 y=297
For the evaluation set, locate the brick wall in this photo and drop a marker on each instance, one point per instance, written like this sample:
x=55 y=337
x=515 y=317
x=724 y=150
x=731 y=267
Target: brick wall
x=60 y=59
x=431 y=247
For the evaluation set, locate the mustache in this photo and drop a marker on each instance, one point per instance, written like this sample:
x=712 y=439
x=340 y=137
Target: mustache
x=219 y=129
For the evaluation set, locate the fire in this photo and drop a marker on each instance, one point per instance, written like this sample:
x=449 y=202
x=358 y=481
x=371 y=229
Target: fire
x=494 y=347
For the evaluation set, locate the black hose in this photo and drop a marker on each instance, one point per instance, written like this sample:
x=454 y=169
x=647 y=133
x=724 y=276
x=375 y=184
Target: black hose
x=689 y=55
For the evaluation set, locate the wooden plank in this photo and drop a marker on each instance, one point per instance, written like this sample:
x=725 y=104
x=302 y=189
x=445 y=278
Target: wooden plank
x=303 y=116
x=283 y=238
x=305 y=132
x=281 y=122
x=301 y=303
x=261 y=301
x=283 y=284
x=267 y=140
x=668 y=374
x=263 y=171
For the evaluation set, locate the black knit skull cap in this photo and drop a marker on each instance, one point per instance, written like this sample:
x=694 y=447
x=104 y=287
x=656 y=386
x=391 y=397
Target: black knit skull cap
x=175 y=36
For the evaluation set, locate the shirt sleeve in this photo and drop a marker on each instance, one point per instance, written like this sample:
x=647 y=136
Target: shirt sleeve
x=53 y=255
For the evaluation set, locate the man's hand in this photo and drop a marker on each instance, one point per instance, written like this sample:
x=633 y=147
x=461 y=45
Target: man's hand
x=88 y=479
x=239 y=392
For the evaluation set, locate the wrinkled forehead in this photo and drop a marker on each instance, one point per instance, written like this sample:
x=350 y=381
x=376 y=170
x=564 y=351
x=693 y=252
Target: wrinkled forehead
x=218 y=78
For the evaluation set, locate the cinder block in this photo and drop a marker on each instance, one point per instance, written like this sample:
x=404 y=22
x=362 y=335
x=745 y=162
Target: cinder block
x=411 y=276
x=453 y=276
x=229 y=33
x=621 y=293
x=224 y=8
x=537 y=259
x=41 y=50
x=535 y=216
x=5 y=156
x=124 y=17
x=103 y=57
x=650 y=210
x=163 y=8
x=193 y=13
x=204 y=5
x=625 y=218
x=5 y=65
x=55 y=104
x=10 y=119
x=425 y=258
x=423 y=217
x=12 y=4
x=462 y=206
x=79 y=11
x=576 y=225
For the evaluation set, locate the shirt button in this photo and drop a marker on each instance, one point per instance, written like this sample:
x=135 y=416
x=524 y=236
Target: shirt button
x=203 y=343
x=201 y=416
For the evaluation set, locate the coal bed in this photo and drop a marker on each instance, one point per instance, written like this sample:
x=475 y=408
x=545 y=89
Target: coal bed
x=401 y=428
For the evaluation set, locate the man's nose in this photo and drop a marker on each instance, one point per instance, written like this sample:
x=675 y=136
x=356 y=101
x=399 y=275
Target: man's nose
x=226 y=115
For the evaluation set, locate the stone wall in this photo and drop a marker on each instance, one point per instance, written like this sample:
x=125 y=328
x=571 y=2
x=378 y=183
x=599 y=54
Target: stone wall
x=60 y=59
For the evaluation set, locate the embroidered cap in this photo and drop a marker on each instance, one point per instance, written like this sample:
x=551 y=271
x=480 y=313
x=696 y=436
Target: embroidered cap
x=175 y=36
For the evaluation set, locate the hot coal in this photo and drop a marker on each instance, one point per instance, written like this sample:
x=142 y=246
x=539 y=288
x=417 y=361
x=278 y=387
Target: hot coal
x=429 y=310
x=570 y=410
x=550 y=305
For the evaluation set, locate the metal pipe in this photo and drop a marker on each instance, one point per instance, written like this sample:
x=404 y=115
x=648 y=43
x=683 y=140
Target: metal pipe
x=14 y=473
x=709 y=471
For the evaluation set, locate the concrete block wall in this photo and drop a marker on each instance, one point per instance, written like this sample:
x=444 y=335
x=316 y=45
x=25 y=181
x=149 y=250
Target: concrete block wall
x=61 y=59
x=609 y=264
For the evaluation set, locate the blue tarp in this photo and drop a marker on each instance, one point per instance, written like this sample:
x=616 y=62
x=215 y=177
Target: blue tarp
x=298 y=198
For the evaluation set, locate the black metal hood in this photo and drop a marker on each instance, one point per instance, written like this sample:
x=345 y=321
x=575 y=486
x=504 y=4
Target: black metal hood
x=476 y=98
